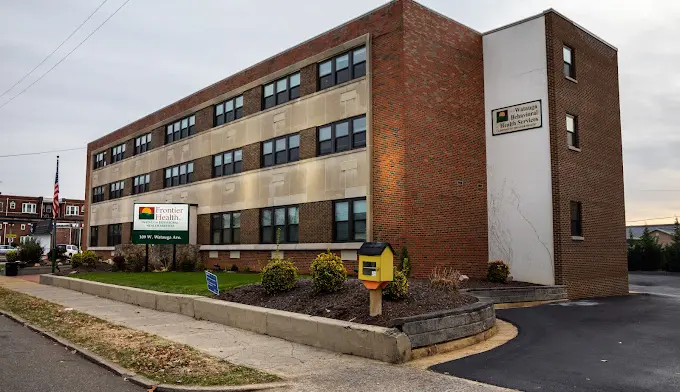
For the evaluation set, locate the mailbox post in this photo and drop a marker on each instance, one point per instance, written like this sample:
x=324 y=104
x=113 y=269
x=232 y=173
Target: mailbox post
x=376 y=270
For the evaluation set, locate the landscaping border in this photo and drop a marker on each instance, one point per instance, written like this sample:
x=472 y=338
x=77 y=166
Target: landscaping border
x=502 y=295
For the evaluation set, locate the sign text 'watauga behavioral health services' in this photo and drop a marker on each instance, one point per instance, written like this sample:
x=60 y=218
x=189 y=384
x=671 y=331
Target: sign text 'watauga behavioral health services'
x=517 y=118
x=160 y=224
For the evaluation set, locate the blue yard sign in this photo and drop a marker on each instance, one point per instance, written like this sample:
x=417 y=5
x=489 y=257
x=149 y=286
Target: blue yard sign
x=211 y=279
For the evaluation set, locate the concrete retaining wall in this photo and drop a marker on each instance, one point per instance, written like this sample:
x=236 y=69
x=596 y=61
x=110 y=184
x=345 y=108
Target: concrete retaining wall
x=519 y=294
x=383 y=344
x=42 y=270
x=439 y=327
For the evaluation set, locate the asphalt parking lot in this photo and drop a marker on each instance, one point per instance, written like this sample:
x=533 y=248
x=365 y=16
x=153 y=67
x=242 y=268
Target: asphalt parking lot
x=607 y=344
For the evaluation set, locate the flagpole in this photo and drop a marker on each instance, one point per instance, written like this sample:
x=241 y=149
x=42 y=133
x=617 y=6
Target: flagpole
x=54 y=223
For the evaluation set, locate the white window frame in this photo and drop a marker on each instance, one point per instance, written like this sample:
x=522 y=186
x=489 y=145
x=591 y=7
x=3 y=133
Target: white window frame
x=31 y=209
x=70 y=209
x=82 y=209
x=23 y=239
x=12 y=205
x=23 y=226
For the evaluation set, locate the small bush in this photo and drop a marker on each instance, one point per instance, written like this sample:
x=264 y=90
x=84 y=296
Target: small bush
x=200 y=267
x=405 y=262
x=445 y=278
x=246 y=269
x=133 y=264
x=398 y=288
x=498 y=272
x=187 y=264
x=90 y=259
x=328 y=272
x=233 y=268
x=12 y=256
x=279 y=275
x=61 y=254
x=77 y=260
x=31 y=251
x=119 y=262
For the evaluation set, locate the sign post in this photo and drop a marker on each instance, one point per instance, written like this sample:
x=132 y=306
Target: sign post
x=211 y=280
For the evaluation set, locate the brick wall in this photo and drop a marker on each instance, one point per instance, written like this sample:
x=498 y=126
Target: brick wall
x=250 y=226
x=308 y=143
x=308 y=80
x=204 y=119
x=255 y=260
x=596 y=266
x=316 y=222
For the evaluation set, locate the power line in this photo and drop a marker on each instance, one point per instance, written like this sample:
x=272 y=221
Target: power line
x=55 y=50
x=41 y=152
x=65 y=57
x=649 y=219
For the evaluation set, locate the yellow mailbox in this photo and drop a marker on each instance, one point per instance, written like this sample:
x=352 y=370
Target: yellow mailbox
x=376 y=263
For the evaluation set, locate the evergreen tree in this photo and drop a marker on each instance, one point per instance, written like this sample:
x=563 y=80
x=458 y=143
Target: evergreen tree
x=651 y=251
x=672 y=250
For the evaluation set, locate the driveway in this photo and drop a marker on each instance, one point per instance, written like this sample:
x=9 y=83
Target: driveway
x=662 y=283
x=606 y=344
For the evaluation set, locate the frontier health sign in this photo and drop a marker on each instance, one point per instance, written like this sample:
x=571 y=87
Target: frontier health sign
x=517 y=118
x=160 y=224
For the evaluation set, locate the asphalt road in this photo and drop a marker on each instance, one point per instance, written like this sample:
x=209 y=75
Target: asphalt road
x=608 y=344
x=662 y=283
x=30 y=362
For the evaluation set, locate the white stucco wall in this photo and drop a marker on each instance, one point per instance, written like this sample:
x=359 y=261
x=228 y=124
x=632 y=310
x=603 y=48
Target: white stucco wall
x=518 y=164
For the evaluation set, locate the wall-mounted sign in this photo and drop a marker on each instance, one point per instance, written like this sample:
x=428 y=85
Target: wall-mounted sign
x=517 y=118
x=160 y=224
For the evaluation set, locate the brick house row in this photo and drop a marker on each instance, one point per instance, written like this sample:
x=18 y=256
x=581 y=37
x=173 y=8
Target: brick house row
x=401 y=125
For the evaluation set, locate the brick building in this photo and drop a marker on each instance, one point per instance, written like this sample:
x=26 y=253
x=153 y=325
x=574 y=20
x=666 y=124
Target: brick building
x=401 y=125
x=20 y=214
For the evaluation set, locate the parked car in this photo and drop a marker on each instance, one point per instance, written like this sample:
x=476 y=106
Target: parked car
x=68 y=250
x=4 y=249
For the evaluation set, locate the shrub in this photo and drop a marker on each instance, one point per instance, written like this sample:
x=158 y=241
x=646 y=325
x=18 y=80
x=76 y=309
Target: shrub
x=133 y=264
x=328 y=272
x=405 y=262
x=119 y=262
x=246 y=269
x=31 y=251
x=61 y=254
x=200 y=267
x=90 y=259
x=445 y=278
x=645 y=253
x=187 y=264
x=233 y=268
x=498 y=272
x=77 y=260
x=12 y=256
x=398 y=288
x=279 y=275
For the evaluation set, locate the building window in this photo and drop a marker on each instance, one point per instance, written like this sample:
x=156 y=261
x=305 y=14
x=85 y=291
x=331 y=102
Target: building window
x=98 y=194
x=281 y=150
x=116 y=189
x=48 y=209
x=225 y=228
x=281 y=91
x=179 y=175
x=230 y=162
x=28 y=208
x=341 y=68
x=72 y=210
x=82 y=209
x=180 y=129
x=576 y=220
x=569 y=69
x=572 y=131
x=23 y=239
x=286 y=219
x=114 y=235
x=117 y=153
x=342 y=136
x=100 y=160
x=23 y=226
x=142 y=143
x=228 y=111
x=349 y=220
x=140 y=184
x=12 y=205
x=94 y=235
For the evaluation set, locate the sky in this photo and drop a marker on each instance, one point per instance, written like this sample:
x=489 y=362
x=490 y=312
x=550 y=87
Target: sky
x=155 y=52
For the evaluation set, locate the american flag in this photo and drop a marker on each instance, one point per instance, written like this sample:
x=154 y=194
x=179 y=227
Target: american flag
x=55 y=197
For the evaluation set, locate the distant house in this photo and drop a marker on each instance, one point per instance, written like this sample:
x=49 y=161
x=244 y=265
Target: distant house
x=663 y=233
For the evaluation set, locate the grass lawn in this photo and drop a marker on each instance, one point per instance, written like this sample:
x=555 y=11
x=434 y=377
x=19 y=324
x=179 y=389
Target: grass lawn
x=170 y=282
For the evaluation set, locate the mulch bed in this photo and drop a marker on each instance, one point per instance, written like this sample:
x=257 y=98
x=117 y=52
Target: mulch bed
x=350 y=303
x=99 y=267
x=485 y=284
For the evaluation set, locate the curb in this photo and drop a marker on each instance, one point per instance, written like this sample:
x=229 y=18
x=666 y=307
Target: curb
x=133 y=377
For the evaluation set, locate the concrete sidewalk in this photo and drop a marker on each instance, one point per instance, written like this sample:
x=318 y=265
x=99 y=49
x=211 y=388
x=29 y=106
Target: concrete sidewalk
x=310 y=369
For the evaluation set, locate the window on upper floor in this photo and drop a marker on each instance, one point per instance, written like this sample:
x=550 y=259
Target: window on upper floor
x=82 y=209
x=23 y=226
x=28 y=208
x=286 y=219
x=225 y=228
x=142 y=143
x=179 y=175
x=229 y=110
x=281 y=91
x=341 y=68
x=342 y=136
x=94 y=235
x=227 y=163
x=281 y=150
x=116 y=189
x=98 y=194
x=117 y=153
x=140 y=184
x=572 y=131
x=576 y=220
x=180 y=129
x=114 y=235
x=349 y=220
x=12 y=205
x=100 y=160
x=569 y=69
x=72 y=210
